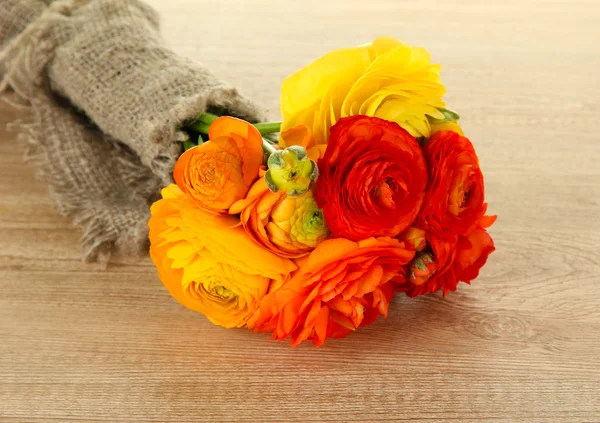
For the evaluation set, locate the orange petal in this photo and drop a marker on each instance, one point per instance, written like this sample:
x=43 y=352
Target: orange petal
x=289 y=317
x=341 y=306
x=487 y=221
x=314 y=310
x=301 y=336
x=298 y=135
x=250 y=145
x=227 y=125
x=370 y=281
x=317 y=152
x=321 y=323
x=329 y=251
x=342 y=320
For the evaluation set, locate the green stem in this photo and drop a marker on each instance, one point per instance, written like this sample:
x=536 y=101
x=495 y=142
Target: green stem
x=268 y=127
x=207 y=118
x=200 y=127
x=268 y=147
x=203 y=122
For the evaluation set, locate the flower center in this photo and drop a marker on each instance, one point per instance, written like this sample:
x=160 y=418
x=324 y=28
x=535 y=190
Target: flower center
x=316 y=219
x=310 y=229
x=465 y=199
x=212 y=288
x=384 y=193
x=221 y=291
x=459 y=198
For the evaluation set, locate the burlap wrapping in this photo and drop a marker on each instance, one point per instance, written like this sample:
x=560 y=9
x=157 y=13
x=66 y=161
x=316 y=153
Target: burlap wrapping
x=107 y=98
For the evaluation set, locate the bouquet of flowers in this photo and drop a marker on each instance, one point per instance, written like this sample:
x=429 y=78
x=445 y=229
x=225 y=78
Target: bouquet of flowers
x=371 y=188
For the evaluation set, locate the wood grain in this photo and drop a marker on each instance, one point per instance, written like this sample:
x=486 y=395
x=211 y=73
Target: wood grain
x=522 y=344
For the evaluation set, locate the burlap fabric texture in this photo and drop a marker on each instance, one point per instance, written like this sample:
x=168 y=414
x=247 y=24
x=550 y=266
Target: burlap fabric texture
x=106 y=98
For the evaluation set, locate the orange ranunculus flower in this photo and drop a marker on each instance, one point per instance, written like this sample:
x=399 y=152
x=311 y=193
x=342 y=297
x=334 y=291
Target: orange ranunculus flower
x=454 y=196
x=448 y=261
x=220 y=172
x=208 y=263
x=288 y=226
x=340 y=286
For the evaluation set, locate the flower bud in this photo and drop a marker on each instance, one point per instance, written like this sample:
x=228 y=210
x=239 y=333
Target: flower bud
x=291 y=171
x=421 y=268
x=414 y=238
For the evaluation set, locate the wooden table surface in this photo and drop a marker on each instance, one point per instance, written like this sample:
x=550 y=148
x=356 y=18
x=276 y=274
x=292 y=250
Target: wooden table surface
x=522 y=344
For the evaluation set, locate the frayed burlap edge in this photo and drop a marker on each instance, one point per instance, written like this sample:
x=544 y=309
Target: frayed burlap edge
x=108 y=230
x=110 y=222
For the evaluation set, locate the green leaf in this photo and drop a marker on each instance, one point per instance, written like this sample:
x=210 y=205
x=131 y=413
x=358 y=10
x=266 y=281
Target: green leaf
x=188 y=144
x=449 y=116
x=200 y=139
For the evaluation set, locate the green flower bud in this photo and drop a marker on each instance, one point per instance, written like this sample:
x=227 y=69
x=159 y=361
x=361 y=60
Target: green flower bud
x=291 y=171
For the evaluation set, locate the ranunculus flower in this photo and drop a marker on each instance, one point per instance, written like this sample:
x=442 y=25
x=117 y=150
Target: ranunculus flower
x=454 y=197
x=220 y=172
x=421 y=268
x=287 y=226
x=386 y=79
x=372 y=178
x=208 y=263
x=340 y=286
x=448 y=261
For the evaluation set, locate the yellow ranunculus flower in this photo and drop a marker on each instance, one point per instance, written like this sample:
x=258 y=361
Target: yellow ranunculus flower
x=386 y=79
x=208 y=263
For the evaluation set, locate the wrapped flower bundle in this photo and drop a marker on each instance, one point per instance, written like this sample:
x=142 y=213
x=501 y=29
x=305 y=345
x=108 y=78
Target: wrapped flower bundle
x=371 y=189
x=105 y=100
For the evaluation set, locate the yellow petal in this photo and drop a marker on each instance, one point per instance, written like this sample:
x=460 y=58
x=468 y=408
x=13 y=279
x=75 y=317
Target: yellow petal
x=446 y=126
x=332 y=75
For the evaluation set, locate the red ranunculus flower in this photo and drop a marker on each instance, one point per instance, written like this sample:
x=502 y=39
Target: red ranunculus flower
x=372 y=178
x=448 y=261
x=454 y=196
